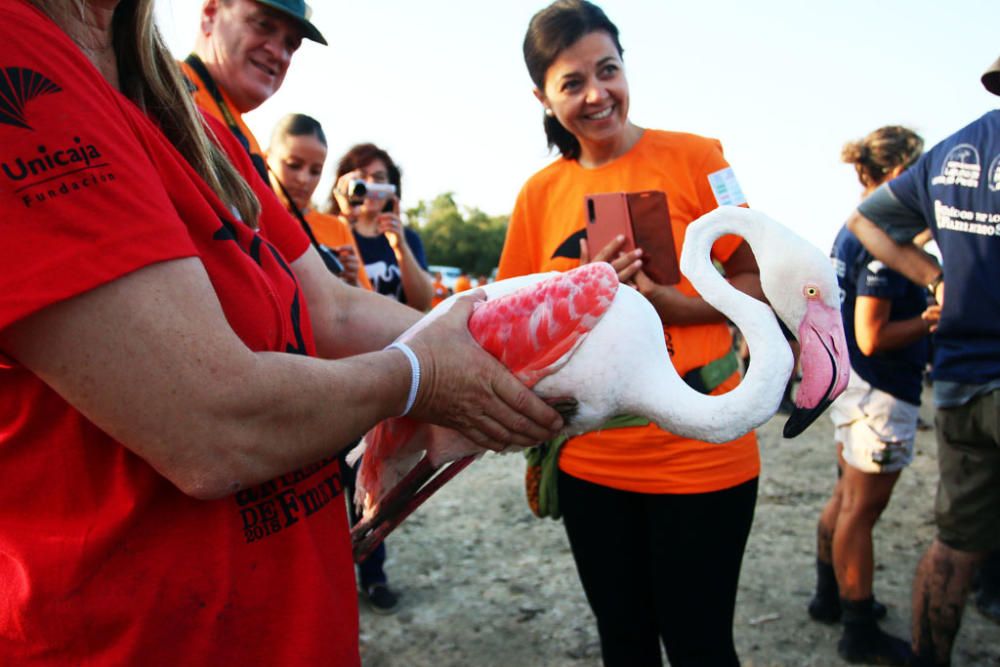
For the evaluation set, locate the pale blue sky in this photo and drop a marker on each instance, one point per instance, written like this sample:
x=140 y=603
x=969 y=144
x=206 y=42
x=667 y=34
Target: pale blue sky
x=782 y=83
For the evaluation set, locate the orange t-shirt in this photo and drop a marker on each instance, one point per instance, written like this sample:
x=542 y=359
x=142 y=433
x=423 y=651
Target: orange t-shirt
x=544 y=235
x=462 y=283
x=204 y=100
x=440 y=293
x=333 y=232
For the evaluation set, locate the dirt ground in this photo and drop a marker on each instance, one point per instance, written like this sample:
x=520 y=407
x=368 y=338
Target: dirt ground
x=486 y=584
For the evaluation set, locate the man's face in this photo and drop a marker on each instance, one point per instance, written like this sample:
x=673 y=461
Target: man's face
x=249 y=49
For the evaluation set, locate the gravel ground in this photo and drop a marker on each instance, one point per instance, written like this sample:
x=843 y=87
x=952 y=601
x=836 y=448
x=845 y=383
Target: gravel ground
x=485 y=584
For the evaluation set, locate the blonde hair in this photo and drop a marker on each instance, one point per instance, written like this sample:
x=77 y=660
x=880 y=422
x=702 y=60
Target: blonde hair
x=149 y=76
x=882 y=151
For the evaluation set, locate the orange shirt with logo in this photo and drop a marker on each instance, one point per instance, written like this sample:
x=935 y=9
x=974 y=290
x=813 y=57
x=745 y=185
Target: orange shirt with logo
x=543 y=235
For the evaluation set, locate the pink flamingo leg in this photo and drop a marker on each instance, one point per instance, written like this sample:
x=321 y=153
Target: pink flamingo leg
x=367 y=535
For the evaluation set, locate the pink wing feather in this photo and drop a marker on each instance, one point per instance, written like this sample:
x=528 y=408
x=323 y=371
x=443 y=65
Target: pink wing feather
x=532 y=331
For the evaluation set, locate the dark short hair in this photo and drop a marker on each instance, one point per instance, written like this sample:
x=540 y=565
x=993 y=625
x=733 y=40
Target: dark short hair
x=298 y=125
x=552 y=31
x=360 y=156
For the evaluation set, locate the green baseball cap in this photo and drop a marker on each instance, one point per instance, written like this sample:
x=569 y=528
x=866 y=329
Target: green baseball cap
x=299 y=12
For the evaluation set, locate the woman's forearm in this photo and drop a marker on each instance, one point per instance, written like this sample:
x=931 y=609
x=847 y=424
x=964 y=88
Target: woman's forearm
x=894 y=335
x=417 y=283
x=151 y=360
x=348 y=320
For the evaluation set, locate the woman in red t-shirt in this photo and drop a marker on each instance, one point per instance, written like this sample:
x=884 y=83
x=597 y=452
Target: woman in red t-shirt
x=171 y=493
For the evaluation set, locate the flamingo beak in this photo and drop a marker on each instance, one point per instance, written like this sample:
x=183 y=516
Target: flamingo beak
x=825 y=365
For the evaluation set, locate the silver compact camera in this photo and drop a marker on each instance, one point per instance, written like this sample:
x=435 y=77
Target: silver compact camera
x=358 y=189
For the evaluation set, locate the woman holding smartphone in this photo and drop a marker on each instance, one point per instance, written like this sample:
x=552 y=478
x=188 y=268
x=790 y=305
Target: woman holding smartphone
x=393 y=254
x=657 y=523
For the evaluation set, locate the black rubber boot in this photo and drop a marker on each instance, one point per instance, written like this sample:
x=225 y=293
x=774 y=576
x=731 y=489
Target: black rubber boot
x=864 y=643
x=988 y=587
x=825 y=603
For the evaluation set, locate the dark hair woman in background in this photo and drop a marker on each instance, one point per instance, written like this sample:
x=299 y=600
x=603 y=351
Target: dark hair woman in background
x=886 y=320
x=392 y=253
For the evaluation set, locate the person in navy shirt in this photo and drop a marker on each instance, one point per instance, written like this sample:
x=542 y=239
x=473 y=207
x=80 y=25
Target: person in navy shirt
x=392 y=253
x=954 y=189
x=886 y=321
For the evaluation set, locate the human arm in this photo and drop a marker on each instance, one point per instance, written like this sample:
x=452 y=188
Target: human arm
x=888 y=220
x=904 y=258
x=150 y=359
x=876 y=333
x=348 y=320
x=417 y=283
x=349 y=260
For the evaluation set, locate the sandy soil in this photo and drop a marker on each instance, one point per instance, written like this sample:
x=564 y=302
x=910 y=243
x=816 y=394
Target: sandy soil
x=484 y=583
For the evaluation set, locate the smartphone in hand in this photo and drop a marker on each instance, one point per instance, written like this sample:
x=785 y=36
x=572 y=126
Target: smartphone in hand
x=643 y=218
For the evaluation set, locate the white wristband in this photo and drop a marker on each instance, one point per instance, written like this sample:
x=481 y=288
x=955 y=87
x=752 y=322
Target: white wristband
x=414 y=374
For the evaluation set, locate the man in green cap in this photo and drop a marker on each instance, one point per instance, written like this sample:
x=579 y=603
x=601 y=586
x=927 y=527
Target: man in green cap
x=240 y=59
x=241 y=56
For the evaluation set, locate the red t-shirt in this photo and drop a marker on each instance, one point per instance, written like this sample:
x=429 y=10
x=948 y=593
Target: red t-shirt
x=102 y=560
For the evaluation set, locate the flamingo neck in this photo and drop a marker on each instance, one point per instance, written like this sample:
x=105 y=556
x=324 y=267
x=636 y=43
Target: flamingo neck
x=756 y=399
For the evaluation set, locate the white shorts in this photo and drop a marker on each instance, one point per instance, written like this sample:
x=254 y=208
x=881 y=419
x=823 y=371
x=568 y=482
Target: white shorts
x=877 y=429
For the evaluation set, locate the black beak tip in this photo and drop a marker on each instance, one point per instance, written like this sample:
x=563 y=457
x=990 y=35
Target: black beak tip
x=802 y=418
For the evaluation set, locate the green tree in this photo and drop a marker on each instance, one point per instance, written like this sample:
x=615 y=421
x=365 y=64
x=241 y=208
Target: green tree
x=467 y=238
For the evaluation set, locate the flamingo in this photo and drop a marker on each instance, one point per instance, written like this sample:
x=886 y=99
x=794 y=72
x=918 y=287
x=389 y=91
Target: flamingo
x=595 y=348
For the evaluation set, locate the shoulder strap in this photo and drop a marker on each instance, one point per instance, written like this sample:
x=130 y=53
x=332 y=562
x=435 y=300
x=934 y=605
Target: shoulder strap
x=195 y=63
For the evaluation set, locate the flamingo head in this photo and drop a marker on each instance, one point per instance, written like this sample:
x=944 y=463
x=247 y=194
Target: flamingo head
x=801 y=286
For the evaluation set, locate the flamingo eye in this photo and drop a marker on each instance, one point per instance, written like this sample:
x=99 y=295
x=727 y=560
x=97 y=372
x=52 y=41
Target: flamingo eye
x=811 y=292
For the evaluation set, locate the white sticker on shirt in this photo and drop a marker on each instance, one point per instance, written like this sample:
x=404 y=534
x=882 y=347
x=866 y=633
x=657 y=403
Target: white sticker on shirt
x=726 y=188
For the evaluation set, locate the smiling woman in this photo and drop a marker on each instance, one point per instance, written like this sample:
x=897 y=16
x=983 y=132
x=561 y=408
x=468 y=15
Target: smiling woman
x=684 y=597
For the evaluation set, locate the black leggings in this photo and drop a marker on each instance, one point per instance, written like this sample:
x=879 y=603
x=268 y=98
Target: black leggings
x=659 y=566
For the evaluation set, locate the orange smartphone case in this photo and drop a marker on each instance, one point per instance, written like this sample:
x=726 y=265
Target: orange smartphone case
x=643 y=218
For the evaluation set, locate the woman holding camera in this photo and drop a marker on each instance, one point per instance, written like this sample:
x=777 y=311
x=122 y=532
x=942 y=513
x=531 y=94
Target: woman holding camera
x=367 y=194
x=657 y=523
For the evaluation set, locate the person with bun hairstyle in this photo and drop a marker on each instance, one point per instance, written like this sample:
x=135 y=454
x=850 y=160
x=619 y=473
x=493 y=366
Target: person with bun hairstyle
x=887 y=322
x=295 y=160
x=657 y=523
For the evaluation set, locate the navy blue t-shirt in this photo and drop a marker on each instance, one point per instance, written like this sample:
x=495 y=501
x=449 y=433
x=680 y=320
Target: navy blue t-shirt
x=381 y=265
x=955 y=189
x=898 y=372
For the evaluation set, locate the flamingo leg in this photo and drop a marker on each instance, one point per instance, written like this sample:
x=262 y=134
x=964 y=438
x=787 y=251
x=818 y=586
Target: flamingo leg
x=411 y=492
